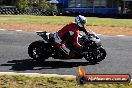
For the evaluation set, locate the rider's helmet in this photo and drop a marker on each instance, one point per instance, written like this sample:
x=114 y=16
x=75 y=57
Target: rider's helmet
x=80 y=20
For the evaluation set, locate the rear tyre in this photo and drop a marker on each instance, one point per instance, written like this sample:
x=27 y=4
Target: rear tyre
x=96 y=56
x=38 y=51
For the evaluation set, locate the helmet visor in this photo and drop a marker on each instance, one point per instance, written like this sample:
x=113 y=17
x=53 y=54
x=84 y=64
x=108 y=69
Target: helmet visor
x=83 y=23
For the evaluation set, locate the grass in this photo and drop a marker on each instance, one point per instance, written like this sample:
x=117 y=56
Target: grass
x=19 y=81
x=95 y=21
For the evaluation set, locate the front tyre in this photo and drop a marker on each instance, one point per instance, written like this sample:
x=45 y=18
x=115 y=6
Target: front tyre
x=96 y=56
x=38 y=51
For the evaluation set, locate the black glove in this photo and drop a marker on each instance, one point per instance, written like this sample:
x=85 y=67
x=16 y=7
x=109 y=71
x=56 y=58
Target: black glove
x=85 y=31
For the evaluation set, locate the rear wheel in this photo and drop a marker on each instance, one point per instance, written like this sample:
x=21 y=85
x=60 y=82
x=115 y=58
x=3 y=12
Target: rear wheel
x=96 y=56
x=38 y=51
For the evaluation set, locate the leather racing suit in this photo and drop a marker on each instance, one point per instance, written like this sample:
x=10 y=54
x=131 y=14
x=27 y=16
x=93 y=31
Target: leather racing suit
x=66 y=33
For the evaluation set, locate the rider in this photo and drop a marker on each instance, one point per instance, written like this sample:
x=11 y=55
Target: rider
x=70 y=31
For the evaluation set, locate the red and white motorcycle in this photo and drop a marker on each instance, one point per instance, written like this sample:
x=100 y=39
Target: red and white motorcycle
x=92 y=50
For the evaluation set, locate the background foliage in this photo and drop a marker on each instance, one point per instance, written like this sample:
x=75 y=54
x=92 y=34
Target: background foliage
x=41 y=4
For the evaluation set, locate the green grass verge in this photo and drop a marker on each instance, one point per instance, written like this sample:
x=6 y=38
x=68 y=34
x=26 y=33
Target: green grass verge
x=65 y=19
x=19 y=81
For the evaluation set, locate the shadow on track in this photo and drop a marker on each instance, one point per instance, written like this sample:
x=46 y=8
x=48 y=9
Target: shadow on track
x=28 y=64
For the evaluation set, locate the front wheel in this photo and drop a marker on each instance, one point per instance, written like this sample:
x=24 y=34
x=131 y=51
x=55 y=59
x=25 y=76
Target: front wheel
x=96 y=56
x=38 y=51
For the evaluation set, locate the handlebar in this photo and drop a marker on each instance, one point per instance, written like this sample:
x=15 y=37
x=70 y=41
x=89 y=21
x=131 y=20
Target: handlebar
x=87 y=33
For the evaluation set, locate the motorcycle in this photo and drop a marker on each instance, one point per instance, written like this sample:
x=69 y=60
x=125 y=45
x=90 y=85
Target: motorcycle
x=92 y=50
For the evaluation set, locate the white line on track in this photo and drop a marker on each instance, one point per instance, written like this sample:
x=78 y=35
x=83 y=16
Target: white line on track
x=37 y=74
x=39 y=31
x=99 y=34
x=42 y=31
x=19 y=30
x=120 y=35
x=2 y=29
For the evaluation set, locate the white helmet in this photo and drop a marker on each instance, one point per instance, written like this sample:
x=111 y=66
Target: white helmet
x=80 y=20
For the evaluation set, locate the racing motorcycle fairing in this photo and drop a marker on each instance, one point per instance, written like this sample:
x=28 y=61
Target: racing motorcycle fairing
x=92 y=49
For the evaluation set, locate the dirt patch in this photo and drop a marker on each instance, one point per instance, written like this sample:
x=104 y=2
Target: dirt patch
x=56 y=27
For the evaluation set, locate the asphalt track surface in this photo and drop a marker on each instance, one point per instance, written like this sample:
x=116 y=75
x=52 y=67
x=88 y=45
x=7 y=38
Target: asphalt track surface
x=14 y=56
